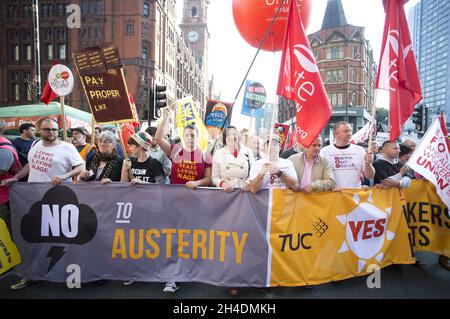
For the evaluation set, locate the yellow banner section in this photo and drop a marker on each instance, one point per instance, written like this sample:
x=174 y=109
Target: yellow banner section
x=9 y=255
x=428 y=218
x=187 y=114
x=326 y=237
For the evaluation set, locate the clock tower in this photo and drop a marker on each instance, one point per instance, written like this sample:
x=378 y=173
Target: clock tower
x=195 y=31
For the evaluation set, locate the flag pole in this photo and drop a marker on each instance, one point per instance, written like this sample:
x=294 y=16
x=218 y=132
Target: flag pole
x=374 y=111
x=63 y=116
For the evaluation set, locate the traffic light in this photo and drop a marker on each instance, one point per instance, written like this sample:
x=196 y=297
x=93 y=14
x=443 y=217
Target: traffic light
x=418 y=117
x=159 y=100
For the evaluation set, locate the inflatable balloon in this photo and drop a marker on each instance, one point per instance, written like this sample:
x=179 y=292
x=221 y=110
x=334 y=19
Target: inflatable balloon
x=253 y=17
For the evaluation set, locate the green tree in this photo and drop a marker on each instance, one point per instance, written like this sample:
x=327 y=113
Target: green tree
x=382 y=115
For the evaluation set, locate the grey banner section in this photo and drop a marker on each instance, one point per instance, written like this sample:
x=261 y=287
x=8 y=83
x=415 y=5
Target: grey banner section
x=153 y=233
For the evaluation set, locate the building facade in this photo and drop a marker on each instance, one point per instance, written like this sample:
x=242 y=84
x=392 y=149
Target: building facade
x=150 y=43
x=429 y=23
x=347 y=67
x=18 y=81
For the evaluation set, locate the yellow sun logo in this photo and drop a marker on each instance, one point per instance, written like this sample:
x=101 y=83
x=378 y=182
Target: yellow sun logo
x=366 y=231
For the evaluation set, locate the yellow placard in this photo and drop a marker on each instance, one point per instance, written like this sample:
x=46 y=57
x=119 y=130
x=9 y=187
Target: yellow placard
x=187 y=113
x=9 y=255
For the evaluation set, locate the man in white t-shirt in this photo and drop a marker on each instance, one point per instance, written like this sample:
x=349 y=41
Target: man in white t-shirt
x=49 y=160
x=272 y=172
x=350 y=162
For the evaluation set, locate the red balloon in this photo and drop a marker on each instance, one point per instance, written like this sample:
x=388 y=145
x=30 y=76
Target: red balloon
x=253 y=17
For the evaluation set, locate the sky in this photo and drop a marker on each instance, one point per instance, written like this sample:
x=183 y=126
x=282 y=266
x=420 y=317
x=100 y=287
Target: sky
x=230 y=56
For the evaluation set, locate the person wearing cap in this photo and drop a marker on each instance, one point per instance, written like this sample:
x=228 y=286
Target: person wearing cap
x=87 y=151
x=231 y=164
x=106 y=166
x=314 y=171
x=145 y=169
x=273 y=172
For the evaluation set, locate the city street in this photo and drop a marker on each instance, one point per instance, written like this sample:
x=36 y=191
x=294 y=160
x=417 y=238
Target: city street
x=397 y=282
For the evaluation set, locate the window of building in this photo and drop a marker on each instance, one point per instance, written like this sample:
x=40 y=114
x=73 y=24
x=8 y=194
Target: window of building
x=49 y=51
x=194 y=12
x=15 y=52
x=46 y=10
x=130 y=29
x=16 y=91
x=336 y=98
x=356 y=54
x=335 y=53
x=59 y=10
x=334 y=76
x=62 y=51
x=99 y=7
x=12 y=11
x=27 y=52
x=146 y=9
x=26 y=12
x=354 y=75
x=353 y=98
x=144 y=53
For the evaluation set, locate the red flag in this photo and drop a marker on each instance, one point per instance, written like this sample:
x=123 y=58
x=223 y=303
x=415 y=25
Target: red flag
x=300 y=80
x=48 y=94
x=397 y=71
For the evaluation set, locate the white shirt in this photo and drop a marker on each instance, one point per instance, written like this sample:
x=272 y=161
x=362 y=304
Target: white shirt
x=273 y=181
x=48 y=162
x=233 y=170
x=347 y=164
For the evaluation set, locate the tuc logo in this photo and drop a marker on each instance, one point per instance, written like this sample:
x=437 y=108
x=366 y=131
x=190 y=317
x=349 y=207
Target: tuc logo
x=366 y=231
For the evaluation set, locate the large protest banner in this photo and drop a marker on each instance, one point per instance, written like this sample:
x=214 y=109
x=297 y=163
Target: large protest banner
x=152 y=233
x=101 y=74
x=428 y=218
x=336 y=235
x=160 y=233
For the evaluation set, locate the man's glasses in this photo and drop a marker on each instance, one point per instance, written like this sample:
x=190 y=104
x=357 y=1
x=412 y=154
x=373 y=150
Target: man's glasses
x=48 y=130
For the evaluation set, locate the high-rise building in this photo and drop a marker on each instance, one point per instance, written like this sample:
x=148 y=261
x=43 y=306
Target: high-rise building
x=429 y=24
x=345 y=60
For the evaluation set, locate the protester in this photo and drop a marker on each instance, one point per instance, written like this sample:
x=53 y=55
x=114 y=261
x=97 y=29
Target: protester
x=314 y=172
x=9 y=166
x=190 y=166
x=24 y=141
x=144 y=168
x=298 y=148
x=119 y=149
x=273 y=172
x=387 y=173
x=106 y=166
x=350 y=163
x=257 y=146
x=231 y=164
x=157 y=153
x=410 y=143
x=403 y=158
x=87 y=151
x=60 y=162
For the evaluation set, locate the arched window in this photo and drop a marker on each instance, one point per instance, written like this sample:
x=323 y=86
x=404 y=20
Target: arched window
x=194 y=12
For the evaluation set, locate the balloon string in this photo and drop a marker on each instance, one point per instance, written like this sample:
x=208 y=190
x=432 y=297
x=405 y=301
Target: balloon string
x=250 y=67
